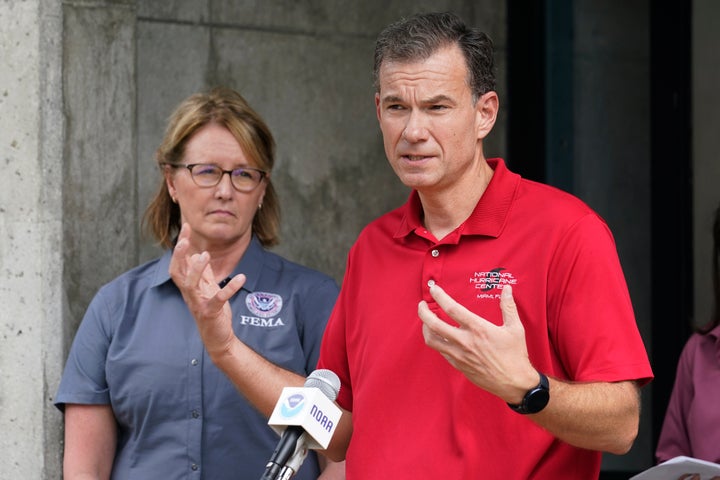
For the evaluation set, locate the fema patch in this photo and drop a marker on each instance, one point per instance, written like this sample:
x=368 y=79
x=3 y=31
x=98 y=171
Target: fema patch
x=263 y=304
x=292 y=405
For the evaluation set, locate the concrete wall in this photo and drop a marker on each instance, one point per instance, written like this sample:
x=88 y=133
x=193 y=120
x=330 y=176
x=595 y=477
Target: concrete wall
x=32 y=301
x=85 y=90
x=99 y=193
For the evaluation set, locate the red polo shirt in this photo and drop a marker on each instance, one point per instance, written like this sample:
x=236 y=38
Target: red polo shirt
x=414 y=415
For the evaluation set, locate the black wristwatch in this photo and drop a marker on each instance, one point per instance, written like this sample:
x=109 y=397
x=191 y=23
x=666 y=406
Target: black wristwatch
x=535 y=399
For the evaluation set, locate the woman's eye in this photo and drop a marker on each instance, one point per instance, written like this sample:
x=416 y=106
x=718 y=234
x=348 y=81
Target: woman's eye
x=205 y=170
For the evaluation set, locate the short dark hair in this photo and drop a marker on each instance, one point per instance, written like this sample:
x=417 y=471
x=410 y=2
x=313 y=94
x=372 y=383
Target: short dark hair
x=420 y=36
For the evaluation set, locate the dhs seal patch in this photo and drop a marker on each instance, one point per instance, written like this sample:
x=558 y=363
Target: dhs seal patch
x=263 y=304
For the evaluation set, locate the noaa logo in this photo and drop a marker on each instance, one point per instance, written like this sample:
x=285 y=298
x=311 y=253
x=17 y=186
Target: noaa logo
x=292 y=405
x=264 y=304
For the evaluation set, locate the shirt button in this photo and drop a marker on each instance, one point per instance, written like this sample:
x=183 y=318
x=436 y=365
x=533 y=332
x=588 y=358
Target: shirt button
x=435 y=253
x=195 y=414
x=194 y=466
x=193 y=362
x=431 y=282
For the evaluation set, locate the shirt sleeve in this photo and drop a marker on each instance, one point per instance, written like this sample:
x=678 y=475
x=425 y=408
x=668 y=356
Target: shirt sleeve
x=333 y=351
x=83 y=380
x=315 y=313
x=674 y=439
x=590 y=315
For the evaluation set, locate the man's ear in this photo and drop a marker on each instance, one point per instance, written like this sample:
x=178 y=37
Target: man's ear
x=487 y=108
x=377 y=105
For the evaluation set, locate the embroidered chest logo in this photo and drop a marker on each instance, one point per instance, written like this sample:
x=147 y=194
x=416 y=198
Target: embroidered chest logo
x=263 y=304
x=489 y=283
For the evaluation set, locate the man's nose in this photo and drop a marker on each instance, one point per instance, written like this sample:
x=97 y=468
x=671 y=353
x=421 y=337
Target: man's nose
x=415 y=128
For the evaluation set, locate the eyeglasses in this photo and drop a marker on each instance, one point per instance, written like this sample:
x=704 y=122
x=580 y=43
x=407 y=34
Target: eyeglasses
x=205 y=175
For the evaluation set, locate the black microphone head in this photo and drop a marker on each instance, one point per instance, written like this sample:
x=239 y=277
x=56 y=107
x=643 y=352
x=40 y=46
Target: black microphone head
x=326 y=381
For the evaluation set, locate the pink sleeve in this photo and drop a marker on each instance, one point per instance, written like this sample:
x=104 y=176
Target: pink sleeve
x=674 y=438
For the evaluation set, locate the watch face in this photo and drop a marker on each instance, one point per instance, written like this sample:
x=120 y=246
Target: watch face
x=537 y=400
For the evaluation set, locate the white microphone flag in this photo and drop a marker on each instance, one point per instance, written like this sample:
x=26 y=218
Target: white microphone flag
x=309 y=408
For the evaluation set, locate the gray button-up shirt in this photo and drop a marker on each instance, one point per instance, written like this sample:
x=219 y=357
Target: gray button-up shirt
x=178 y=416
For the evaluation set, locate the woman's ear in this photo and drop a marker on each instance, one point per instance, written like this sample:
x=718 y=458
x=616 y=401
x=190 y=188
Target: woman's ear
x=263 y=185
x=170 y=182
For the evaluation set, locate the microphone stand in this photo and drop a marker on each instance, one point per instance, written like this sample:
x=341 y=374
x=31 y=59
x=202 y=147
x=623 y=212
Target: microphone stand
x=287 y=464
x=293 y=465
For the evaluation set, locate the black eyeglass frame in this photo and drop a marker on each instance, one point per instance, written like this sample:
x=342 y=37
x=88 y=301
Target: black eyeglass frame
x=190 y=166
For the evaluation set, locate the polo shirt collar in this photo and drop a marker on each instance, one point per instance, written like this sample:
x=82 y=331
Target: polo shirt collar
x=490 y=214
x=250 y=264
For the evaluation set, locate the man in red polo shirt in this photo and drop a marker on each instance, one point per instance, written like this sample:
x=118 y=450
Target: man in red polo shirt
x=526 y=360
x=484 y=329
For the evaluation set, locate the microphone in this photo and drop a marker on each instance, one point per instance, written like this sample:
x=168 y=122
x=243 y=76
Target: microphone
x=310 y=418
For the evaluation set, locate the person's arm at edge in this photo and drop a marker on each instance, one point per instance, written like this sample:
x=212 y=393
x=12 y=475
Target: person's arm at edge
x=90 y=442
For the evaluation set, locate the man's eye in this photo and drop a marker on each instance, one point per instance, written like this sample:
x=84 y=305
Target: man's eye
x=395 y=106
x=438 y=107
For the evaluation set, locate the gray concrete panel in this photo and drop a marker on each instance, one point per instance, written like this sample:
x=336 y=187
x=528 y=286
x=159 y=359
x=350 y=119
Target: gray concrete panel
x=195 y=11
x=172 y=63
x=21 y=395
x=319 y=17
x=31 y=128
x=55 y=306
x=100 y=197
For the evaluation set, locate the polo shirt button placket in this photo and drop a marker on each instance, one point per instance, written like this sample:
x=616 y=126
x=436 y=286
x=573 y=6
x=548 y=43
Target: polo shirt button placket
x=434 y=253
